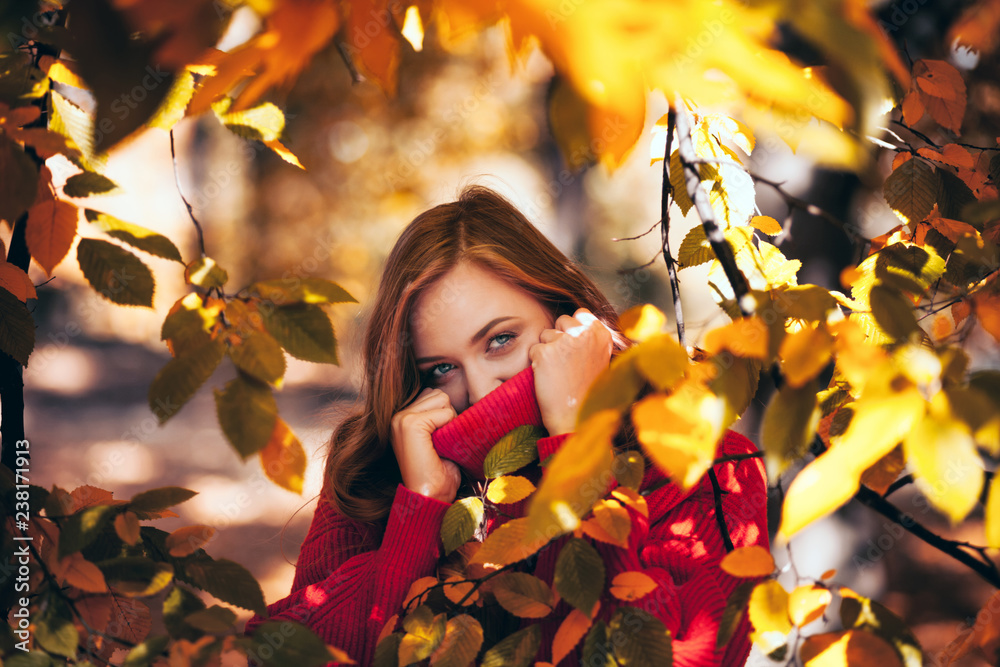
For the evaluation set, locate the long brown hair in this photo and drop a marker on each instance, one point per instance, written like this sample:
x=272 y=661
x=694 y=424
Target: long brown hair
x=361 y=472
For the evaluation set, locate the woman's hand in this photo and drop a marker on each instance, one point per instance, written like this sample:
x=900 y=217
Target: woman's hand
x=567 y=360
x=423 y=470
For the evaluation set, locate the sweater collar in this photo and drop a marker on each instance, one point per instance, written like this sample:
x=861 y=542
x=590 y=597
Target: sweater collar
x=468 y=438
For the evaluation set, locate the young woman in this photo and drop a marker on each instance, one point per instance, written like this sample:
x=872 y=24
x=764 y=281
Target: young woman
x=481 y=325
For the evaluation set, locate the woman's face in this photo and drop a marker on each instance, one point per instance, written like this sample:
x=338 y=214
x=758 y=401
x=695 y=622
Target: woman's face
x=472 y=331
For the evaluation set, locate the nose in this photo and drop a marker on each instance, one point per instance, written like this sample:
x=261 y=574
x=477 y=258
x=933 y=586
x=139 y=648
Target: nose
x=480 y=384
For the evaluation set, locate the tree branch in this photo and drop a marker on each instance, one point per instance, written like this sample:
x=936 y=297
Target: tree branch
x=692 y=181
x=177 y=180
x=666 y=195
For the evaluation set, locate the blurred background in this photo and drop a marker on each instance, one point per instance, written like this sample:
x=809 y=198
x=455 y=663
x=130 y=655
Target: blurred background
x=371 y=165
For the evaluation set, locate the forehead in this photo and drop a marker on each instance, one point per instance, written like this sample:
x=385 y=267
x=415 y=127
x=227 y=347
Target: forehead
x=460 y=302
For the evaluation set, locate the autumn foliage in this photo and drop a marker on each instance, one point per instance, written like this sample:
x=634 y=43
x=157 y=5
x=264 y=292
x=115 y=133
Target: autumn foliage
x=873 y=381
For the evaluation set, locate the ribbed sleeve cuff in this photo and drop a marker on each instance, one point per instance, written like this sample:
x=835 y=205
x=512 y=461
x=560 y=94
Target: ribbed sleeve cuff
x=412 y=540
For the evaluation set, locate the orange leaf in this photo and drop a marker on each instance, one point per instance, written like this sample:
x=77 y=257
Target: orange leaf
x=913 y=111
x=282 y=152
x=900 y=159
x=632 y=585
x=456 y=591
x=752 y=561
x=857 y=648
x=417 y=589
x=184 y=541
x=387 y=629
x=745 y=337
x=283 y=458
x=960 y=310
x=614 y=519
x=570 y=632
x=376 y=55
x=942 y=92
x=953 y=229
x=987 y=308
x=80 y=572
x=45 y=143
x=11 y=119
x=127 y=527
x=16 y=281
x=50 y=232
x=766 y=224
x=90 y=496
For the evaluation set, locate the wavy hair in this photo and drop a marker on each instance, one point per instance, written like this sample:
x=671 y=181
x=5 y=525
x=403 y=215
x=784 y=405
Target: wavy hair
x=361 y=472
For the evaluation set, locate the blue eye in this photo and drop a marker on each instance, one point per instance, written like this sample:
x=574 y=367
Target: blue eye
x=433 y=371
x=503 y=339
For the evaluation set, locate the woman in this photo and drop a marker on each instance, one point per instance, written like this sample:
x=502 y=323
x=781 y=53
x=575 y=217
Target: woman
x=481 y=325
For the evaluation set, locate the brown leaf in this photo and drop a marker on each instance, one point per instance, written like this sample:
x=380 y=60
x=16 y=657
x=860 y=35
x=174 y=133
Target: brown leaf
x=79 y=572
x=127 y=527
x=16 y=281
x=184 y=541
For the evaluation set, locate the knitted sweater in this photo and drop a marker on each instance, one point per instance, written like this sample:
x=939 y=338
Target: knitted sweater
x=351 y=577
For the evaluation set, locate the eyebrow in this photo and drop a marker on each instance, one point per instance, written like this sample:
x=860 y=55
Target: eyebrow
x=475 y=339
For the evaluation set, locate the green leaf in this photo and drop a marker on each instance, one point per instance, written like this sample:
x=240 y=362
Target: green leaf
x=54 y=629
x=462 y=639
x=911 y=190
x=204 y=272
x=88 y=183
x=460 y=522
x=20 y=80
x=513 y=451
x=790 y=422
x=641 y=639
x=304 y=330
x=893 y=313
x=137 y=576
x=155 y=500
x=116 y=274
x=579 y=576
x=597 y=651
x=18 y=180
x=264 y=122
x=284 y=291
x=387 y=651
x=17 y=328
x=177 y=606
x=82 y=528
x=216 y=619
x=146 y=652
x=516 y=650
x=523 y=594
x=806 y=302
x=134 y=235
x=953 y=196
x=301 y=647
x=181 y=377
x=736 y=605
x=247 y=412
x=260 y=356
x=226 y=580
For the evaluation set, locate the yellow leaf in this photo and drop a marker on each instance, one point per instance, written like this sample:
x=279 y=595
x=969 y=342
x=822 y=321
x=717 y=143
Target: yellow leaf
x=62 y=71
x=127 y=527
x=807 y=603
x=283 y=459
x=50 y=232
x=633 y=585
x=679 y=432
x=614 y=519
x=509 y=489
x=947 y=468
x=570 y=632
x=820 y=488
x=751 y=561
x=805 y=353
x=642 y=321
x=768 y=608
x=993 y=514
x=282 y=152
x=631 y=498
x=766 y=224
x=745 y=337
x=413 y=28
x=577 y=476
x=662 y=360
x=80 y=572
x=849 y=648
x=185 y=541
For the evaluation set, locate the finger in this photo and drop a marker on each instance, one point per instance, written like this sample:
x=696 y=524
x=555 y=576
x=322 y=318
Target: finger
x=584 y=316
x=429 y=397
x=566 y=322
x=549 y=335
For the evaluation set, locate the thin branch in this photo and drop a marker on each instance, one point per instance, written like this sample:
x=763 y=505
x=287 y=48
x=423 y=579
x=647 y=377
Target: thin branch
x=738 y=457
x=666 y=195
x=898 y=484
x=916 y=133
x=177 y=180
x=720 y=518
x=633 y=269
x=342 y=49
x=692 y=181
x=635 y=238
x=987 y=570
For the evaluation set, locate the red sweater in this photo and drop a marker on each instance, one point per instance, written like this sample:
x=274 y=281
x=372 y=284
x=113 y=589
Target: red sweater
x=351 y=577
